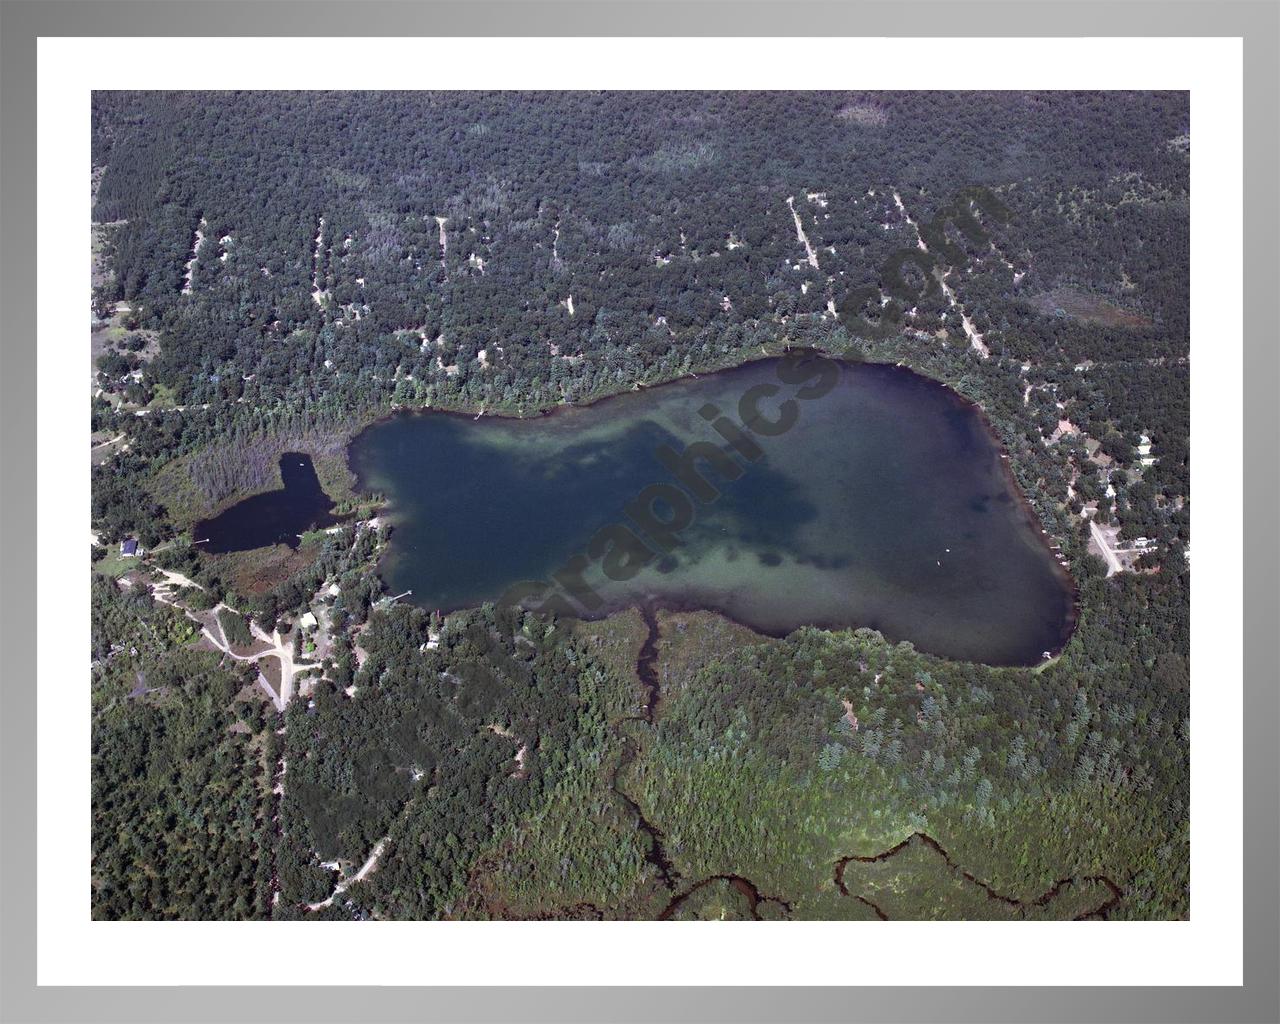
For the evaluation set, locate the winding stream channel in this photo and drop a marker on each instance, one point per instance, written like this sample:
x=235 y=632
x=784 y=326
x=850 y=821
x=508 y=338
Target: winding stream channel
x=646 y=671
x=1099 y=912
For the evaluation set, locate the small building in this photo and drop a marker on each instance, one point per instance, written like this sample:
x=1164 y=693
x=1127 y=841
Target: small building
x=1064 y=428
x=129 y=548
x=1144 y=451
x=307 y=621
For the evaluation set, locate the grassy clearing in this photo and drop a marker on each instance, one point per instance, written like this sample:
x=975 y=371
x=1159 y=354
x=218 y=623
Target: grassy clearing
x=164 y=398
x=114 y=564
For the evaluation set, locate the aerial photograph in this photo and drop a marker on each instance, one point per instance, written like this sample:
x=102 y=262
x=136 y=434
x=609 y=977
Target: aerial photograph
x=640 y=505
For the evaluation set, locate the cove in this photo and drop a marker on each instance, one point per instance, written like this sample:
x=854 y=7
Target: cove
x=275 y=517
x=885 y=503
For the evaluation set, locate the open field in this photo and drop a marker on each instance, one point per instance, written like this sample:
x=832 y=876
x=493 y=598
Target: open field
x=1087 y=308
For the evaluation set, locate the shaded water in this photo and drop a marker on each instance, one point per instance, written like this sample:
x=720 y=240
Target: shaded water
x=276 y=517
x=886 y=504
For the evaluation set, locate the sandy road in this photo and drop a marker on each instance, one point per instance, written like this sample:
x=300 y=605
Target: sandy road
x=801 y=237
x=359 y=876
x=279 y=649
x=976 y=341
x=1113 y=562
x=195 y=255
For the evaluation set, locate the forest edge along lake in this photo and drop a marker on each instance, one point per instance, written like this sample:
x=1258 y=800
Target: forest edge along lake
x=792 y=491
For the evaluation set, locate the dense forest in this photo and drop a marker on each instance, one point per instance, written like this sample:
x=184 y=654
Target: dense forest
x=181 y=823
x=275 y=270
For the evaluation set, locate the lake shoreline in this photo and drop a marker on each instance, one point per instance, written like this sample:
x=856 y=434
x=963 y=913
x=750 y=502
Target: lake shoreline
x=1027 y=512
x=1030 y=515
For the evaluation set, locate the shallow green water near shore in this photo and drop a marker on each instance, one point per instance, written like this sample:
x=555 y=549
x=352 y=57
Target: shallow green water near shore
x=882 y=503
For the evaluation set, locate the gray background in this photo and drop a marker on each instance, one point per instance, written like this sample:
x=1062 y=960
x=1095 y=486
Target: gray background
x=21 y=23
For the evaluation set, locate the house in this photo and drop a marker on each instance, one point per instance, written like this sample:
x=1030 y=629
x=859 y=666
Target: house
x=307 y=621
x=1063 y=429
x=129 y=548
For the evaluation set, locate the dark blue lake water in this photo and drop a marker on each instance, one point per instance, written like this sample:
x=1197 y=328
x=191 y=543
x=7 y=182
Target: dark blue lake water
x=274 y=517
x=843 y=495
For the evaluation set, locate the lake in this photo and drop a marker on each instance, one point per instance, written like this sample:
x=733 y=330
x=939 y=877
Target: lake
x=783 y=493
x=274 y=517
